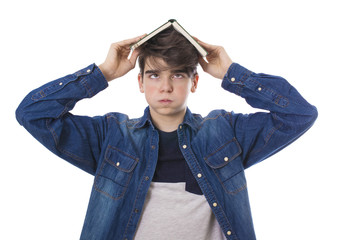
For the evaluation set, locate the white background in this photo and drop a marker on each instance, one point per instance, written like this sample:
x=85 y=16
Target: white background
x=310 y=190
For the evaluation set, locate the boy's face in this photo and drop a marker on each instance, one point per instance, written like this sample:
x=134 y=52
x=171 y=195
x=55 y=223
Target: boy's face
x=166 y=91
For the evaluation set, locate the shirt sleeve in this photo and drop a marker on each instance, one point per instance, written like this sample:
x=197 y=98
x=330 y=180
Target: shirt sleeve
x=44 y=113
x=263 y=134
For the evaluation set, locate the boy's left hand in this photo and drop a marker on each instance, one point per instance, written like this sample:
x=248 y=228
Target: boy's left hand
x=218 y=60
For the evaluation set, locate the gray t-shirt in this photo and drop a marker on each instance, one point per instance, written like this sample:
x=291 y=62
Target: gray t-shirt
x=171 y=213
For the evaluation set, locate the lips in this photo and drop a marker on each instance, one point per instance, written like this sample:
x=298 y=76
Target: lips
x=165 y=101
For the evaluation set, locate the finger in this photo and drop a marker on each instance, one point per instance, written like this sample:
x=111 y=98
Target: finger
x=134 y=56
x=130 y=41
x=196 y=38
x=203 y=63
x=207 y=46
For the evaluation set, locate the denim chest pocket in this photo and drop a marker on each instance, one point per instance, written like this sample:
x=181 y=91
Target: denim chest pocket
x=115 y=173
x=226 y=163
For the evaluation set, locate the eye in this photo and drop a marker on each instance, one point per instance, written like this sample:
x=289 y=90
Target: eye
x=178 y=76
x=154 y=76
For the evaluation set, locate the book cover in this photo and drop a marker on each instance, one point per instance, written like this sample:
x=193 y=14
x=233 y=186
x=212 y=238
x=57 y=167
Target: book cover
x=177 y=27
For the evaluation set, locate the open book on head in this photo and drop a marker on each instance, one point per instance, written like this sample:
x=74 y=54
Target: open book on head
x=177 y=27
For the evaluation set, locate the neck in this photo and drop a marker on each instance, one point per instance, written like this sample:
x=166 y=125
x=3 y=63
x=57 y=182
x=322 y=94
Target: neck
x=167 y=123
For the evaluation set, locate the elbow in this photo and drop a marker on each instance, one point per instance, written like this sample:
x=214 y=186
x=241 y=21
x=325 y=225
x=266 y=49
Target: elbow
x=308 y=120
x=19 y=113
x=314 y=115
x=301 y=121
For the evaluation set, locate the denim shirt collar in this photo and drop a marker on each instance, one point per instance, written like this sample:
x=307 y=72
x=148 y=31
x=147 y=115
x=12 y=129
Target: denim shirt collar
x=146 y=118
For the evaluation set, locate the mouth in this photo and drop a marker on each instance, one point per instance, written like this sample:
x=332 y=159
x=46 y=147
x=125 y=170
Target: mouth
x=165 y=101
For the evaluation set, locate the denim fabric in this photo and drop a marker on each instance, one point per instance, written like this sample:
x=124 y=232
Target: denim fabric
x=122 y=153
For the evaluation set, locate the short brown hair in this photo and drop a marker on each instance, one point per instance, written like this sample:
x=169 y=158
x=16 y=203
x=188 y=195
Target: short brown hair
x=172 y=47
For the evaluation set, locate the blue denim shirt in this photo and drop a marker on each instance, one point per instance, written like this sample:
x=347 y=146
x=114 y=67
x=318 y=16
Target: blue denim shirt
x=122 y=153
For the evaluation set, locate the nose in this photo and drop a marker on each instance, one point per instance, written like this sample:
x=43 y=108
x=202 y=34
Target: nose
x=166 y=85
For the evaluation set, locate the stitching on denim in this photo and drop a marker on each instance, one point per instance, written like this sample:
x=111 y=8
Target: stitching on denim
x=139 y=189
x=133 y=122
x=71 y=155
x=213 y=118
x=245 y=76
x=233 y=157
x=84 y=83
x=222 y=183
x=126 y=154
x=42 y=92
x=121 y=169
x=231 y=119
x=117 y=121
x=34 y=98
x=278 y=96
x=51 y=131
x=66 y=108
x=122 y=122
x=107 y=194
x=123 y=190
x=208 y=187
x=221 y=147
x=270 y=133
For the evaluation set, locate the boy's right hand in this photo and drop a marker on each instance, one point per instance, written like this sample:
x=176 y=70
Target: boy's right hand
x=117 y=63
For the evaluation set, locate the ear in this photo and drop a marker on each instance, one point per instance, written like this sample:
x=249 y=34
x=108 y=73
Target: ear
x=194 y=83
x=140 y=81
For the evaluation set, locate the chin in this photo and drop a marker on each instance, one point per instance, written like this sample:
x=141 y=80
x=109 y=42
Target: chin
x=167 y=111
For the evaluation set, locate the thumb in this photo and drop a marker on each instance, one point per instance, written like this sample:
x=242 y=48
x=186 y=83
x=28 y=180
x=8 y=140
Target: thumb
x=133 y=56
x=203 y=64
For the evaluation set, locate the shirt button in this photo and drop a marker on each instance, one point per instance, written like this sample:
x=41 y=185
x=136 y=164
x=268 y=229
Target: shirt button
x=226 y=159
x=199 y=175
x=233 y=79
x=180 y=127
x=117 y=164
x=60 y=83
x=153 y=147
x=136 y=210
x=88 y=70
x=215 y=204
x=184 y=146
x=228 y=233
x=147 y=178
x=259 y=89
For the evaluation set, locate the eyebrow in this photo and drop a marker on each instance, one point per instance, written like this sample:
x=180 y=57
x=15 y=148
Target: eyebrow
x=151 y=71
x=172 y=71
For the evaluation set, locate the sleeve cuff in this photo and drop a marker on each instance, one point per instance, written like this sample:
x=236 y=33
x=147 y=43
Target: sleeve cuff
x=94 y=81
x=235 y=77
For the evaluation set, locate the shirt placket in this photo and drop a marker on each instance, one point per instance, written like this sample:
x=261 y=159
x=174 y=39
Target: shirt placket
x=143 y=187
x=203 y=183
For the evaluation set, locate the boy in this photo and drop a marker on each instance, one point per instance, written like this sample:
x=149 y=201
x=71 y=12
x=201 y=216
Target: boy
x=170 y=174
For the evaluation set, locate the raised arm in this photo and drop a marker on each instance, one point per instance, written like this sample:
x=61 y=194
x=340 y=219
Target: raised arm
x=260 y=134
x=44 y=112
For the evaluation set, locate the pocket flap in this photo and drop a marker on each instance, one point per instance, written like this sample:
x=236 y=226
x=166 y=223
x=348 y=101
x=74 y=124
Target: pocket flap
x=224 y=154
x=121 y=160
